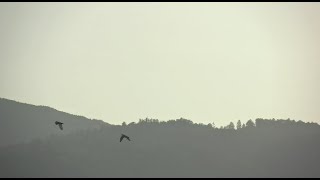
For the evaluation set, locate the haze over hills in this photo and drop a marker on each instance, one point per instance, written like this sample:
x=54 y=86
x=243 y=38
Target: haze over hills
x=177 y=148
x=211 y=63
x=21 y=122
x=173 y=148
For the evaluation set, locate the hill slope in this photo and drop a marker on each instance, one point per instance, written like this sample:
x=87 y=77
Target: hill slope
x=20 y=122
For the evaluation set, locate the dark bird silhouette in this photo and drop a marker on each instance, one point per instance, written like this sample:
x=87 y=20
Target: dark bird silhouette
x=124 y=136
x=60 y=124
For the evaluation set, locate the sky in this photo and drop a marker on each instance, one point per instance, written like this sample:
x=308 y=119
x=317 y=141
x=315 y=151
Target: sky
x=207 y=62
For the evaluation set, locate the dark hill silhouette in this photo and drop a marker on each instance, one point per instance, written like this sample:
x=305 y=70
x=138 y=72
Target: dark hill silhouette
x=176 y=148
x=21 y=122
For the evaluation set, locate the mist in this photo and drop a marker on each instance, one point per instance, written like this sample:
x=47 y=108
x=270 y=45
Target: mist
x=202 y=61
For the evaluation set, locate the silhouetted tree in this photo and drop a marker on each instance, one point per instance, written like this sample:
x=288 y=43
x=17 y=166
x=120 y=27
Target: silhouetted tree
x=250 y=123
x=230 y=126
x=239 y=124
x=132 y=123
x=243 y=126
x=213 y=125
x=124 y=124
x=260 y=122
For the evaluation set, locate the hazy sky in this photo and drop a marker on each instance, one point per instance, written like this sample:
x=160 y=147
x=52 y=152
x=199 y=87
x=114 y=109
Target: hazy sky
x=208 y=62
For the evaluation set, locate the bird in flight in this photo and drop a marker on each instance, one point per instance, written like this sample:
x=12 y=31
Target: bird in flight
x=60 y=124
x=124 y=136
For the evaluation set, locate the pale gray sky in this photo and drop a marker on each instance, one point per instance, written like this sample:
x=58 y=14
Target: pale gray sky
x=208 y=62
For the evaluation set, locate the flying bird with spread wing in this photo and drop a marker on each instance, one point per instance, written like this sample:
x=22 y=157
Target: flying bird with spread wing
x=124 y=136
x=60 y=124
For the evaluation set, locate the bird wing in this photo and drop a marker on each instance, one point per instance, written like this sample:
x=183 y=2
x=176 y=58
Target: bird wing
x=60 y=126
x=121 y=138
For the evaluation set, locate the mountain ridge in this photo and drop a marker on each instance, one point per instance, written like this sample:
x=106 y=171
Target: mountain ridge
x=22 y=122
